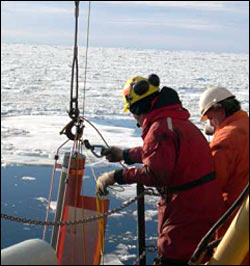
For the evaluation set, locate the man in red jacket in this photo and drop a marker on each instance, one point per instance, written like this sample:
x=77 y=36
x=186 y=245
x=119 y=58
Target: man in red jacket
x=177 y=161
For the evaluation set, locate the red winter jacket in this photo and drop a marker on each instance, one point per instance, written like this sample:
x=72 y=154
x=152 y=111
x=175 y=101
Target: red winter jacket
x=175 y=153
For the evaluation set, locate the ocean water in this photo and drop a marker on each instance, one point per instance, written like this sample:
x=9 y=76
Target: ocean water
x=35 y=91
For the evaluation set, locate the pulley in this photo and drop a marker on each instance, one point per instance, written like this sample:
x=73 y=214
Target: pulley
x=67 y=130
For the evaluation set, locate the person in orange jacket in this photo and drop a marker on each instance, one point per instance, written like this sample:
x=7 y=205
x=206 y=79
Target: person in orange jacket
x=230 y=145
x=175 y=159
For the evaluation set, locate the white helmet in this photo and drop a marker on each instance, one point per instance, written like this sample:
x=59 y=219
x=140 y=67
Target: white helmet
x=210 y=97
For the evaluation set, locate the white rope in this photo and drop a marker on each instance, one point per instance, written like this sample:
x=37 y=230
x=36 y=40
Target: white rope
x=73 y=150
x=52 y=187
x=86 y=58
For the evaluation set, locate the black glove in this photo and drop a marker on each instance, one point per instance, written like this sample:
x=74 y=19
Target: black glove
x=113 y=154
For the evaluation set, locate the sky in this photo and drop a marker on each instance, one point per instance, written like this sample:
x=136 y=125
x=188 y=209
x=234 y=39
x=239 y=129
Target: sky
x=216 y=26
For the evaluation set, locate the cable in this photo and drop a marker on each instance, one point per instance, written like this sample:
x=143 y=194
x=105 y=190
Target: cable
x=101 y=136
x=74 y=111
x=52 y=187
x=86 y=59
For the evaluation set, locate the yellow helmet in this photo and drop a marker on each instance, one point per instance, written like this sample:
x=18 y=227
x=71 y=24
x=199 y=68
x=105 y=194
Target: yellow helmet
x=139 y=88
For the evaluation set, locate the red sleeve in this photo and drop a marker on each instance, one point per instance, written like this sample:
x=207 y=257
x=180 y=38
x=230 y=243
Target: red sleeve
x=158 y=157
x=135 y=155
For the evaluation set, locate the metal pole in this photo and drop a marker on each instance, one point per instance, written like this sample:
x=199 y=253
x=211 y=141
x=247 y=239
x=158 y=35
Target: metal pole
x=60 y=198
x=141 y=225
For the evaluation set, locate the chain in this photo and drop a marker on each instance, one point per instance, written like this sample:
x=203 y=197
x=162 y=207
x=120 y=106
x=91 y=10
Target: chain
x=83 y=221
x=144 y=253
x=126 y=204
x=139 y=258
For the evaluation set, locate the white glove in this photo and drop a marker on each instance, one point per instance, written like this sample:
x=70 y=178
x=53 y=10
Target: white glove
x=103 y=182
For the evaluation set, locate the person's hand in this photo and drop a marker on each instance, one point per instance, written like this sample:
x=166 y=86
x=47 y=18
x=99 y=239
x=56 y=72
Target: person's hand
x=103 y=182
x=113 y=154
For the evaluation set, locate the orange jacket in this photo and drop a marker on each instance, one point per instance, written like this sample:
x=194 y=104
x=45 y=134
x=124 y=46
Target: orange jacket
x=230 y=150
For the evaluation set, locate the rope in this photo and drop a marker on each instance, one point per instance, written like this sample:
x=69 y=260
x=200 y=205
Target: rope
x=52 y=187
x=86 y=59
x=103 y=139
x=73 y=151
